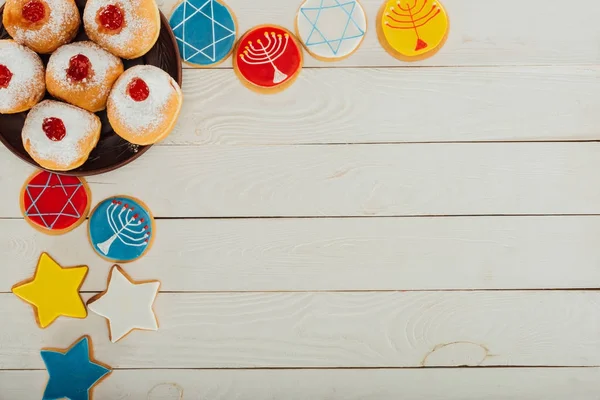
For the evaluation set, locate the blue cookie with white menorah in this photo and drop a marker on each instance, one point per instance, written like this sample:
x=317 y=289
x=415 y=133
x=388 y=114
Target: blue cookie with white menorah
x=205 y=31
x=121 y=229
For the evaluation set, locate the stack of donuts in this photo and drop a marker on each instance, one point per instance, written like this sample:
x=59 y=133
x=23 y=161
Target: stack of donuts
x=84 y=77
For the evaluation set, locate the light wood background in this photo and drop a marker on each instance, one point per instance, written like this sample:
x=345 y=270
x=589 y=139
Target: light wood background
x=379 y=231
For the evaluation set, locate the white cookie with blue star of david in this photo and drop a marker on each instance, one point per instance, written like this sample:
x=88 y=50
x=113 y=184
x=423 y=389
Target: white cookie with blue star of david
x=331 y=29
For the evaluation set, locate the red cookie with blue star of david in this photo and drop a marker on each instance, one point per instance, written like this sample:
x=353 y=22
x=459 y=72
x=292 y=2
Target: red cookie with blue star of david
x=55 y=204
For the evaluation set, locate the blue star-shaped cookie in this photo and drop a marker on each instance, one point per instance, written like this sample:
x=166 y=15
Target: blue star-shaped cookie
x=72 y=373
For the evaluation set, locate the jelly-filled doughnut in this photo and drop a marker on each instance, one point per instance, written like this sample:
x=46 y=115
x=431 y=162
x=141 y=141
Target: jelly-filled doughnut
x=144 y=105
x=22 y=83
x=59 y=136
x=82 y=74
x=41 y=25
x=126 y=28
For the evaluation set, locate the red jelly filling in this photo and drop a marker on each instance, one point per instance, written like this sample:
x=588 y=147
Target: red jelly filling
x=33 y=11
x=5 y=76
x=138 y=90
x=79 y=68
x=111 y=17
x=54 y=128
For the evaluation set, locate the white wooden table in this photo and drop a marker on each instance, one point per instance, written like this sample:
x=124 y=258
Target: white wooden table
x=375 y=219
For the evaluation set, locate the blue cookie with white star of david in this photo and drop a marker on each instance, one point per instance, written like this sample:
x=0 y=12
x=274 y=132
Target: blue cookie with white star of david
x=121 y=229
x=331 y=29
x=205 y=31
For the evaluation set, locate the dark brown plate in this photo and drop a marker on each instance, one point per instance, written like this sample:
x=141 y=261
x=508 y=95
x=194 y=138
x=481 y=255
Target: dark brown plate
x=112 y=151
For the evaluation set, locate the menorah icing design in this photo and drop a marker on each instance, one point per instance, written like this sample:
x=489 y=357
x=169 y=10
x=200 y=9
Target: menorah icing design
x=121 y=229
x=268 y=56
x=205 y=31
x=413 y=28
x=331 y=29
x=53 y=203
x=267 y=52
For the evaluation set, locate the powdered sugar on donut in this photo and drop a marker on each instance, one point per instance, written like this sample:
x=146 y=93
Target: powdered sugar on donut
x=27 y=70
x=133 y=25
x=143 y=116
x=62 y=13
x=101 y=61
x=79 y=124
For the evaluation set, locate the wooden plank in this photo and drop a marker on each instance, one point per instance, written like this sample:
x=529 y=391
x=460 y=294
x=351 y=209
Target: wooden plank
x=340 y=384
x=341 y=329
x=335 y=254
x=540 y=32
x=359 y=180
x=364 y=105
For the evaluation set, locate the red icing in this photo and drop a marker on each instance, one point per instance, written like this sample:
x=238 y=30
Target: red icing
x=79 y=68
x=54 y=128
x=138 y=90
x=111 y=17
x=5 y=76
x=267 y=61
x=33 y=11
x=54 y=201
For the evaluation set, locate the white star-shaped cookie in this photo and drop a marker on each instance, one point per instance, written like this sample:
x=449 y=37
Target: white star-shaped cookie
x=127 y=305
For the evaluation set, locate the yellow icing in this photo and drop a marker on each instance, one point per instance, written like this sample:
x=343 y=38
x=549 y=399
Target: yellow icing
x=54 y=291
x=414 y=28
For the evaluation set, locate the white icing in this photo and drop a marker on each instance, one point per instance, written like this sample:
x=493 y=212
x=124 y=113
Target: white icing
x=133 y=27
x=127 y=305
x=62 y=14
x=101 y=62
x=79 y=124
x=143 y=116
x=27 y=70
x=331 y=28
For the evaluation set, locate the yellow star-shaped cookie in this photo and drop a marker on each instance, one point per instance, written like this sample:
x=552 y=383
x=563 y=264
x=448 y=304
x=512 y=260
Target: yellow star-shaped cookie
x=53 y=291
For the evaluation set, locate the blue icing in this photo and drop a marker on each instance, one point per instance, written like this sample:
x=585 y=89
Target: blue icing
x=351 y=28
x=72 y=374
x=120 y=229
x=205 y=31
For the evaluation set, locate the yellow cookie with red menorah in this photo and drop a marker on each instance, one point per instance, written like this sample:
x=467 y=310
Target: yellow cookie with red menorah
x=412 y=29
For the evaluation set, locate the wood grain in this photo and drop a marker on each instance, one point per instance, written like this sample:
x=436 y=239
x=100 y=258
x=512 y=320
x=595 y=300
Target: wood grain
x=237 y=154
x=335 y=254
x=362 y=329
x=393 y=105
x=381 y=384
x=482 y=32
x=359 y=180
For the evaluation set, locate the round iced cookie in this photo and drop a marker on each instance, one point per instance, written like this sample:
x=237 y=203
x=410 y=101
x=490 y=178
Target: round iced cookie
x=412 y=29
x=267 y=58
x=121 y=229
x=55 y=204
x=331 y=30
x=205 y=31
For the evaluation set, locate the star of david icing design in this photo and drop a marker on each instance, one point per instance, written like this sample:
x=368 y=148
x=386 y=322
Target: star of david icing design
x=68 y=210
x=193 y=16
x=343 y=9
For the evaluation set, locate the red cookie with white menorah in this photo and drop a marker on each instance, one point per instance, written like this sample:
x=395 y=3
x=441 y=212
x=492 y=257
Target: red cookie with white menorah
x=268 y=58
